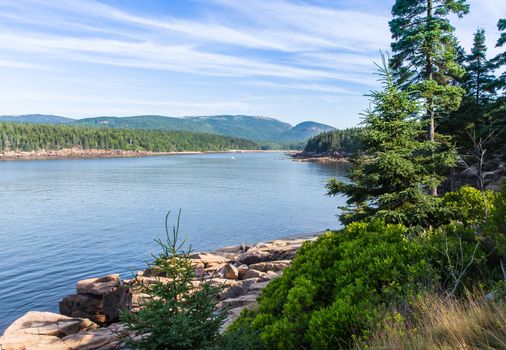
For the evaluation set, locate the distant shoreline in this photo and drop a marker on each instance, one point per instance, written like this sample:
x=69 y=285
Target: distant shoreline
x=76 y=153
x=320 y=158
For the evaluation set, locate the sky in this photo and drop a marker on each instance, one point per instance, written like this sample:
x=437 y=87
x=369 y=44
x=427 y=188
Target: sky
x=290 y=60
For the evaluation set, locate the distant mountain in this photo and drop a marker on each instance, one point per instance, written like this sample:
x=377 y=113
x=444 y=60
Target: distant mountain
x=304 y=131
x=242 y=126
x=253 y=128
x=36 y=119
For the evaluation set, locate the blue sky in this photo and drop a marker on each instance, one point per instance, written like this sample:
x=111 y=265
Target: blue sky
x=291 y=60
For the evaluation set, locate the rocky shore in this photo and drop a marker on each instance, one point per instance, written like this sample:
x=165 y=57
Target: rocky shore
x=326 y=157
x=77 y=153
x=89 y=318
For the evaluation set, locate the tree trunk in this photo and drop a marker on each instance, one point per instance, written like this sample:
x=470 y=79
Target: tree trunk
x=430 y=103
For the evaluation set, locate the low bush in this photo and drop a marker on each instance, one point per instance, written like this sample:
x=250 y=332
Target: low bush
x=337 y=287
x=468 y=205
x=457 y=255
x=495 y=227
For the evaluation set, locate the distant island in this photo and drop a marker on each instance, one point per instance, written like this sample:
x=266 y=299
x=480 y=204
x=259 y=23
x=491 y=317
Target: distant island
x=42 y=141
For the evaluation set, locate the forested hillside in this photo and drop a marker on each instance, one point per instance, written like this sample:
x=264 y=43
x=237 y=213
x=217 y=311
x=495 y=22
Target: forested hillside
x=266 y=130
x=344 y=142
x=36 y=119
x=32 y=137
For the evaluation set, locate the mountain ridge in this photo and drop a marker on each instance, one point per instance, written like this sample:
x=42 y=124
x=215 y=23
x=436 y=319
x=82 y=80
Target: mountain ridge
x=257 y=128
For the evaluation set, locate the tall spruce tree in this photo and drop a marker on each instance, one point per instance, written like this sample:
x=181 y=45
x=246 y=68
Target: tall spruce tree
x=473 y=116
x=425 y=54
x=479 y=73
x=500 y=59
x=500 y=105
x=397 y=166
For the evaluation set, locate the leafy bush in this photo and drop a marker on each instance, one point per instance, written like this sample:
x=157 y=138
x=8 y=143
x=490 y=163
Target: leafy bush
x=177 y=314
x=240 y=334
x=495 y=234
x=457 y=255
x=468 y=205
x=476 y=237
x=337 y=287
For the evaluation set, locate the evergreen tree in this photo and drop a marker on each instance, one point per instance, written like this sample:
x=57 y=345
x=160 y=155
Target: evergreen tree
x=175 y=312
x=344 y=141
x=473 y=116
x=391 y=178
x=425 y=52
x=500 y=59
x=479 y=73
x=425 y=55
x=499 y=108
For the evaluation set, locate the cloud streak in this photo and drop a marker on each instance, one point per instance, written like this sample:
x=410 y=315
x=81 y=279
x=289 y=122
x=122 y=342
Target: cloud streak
x=270 y=51
x=287 y=43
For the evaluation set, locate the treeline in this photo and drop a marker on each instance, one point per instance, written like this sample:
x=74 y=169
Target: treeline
x=33 y=137
x=479 y=119
x=344 y=142
x=464 y=99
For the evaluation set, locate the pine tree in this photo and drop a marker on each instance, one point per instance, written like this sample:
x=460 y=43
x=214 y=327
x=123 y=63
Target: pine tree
x=425 y=52
x=473 y=116
x=175 y=314
x=500 y=59
x=397 y=166
x=479 y=73
x=499 y=108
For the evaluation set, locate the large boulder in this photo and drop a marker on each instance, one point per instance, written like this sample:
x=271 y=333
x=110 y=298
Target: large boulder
x=48 y=323
x=43 y=330
x=229 y=271
x=99 y=299
x=242 y=300
x=209 y=259
x=102 y=338
x=271 y=251
x=279 y=265
x=269 y=275
x=251 y=273
x=253 y=256
x=232 y=292
x=99 y=286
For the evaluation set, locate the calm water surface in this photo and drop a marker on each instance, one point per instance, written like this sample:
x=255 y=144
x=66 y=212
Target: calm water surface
x=65 y=220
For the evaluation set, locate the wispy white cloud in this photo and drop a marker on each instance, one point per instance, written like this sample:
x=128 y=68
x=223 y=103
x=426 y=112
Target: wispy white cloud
x=22 y=65
x=336 y=28
x=292 y=28
x=305 y=87
x=149 y=55
x=274 y=51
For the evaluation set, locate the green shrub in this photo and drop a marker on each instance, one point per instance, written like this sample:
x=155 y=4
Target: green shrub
x=240 y=334
x=456 y=253
x=337 y=287
x=177 y=314
x=495 y=231
x=468 y=205
x=477 y=232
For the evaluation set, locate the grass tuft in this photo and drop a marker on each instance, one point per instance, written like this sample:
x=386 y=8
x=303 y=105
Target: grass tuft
x=439 y=323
